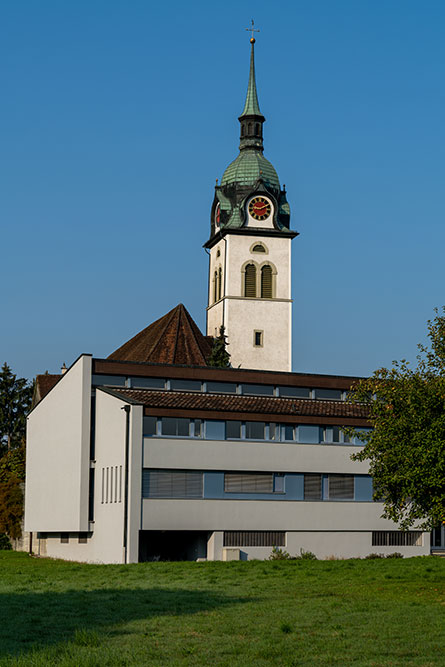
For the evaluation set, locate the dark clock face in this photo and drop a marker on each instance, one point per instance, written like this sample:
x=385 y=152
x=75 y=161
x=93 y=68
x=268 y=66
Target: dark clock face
x=259 y=208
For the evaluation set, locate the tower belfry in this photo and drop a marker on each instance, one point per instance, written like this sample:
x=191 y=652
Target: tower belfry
x=250 y=251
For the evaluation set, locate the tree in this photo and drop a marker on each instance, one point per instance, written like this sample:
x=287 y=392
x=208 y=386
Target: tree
x=219 y=357
x=406 y=448
x=12 y=476
x=15 y=401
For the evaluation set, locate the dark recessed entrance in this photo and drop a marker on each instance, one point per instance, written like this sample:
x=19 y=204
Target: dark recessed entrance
x=172 y=545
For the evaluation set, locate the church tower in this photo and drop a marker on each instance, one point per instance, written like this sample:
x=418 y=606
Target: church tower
x=250 y=252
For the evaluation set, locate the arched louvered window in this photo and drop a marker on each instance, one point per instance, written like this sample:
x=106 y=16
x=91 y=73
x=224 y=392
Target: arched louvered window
x=258 y=248
x=257 y=128
x=266 y=282
x=249 y=128
x=219 y=283
x=242 y=130
x=250 y=280
x=215 y=286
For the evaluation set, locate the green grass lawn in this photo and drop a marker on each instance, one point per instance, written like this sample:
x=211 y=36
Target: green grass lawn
x=360 y=612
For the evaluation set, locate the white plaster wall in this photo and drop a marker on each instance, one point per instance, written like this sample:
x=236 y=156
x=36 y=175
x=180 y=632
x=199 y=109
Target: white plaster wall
x=57 y=457
x=106 y=542
x=345 y=544
x=298 y=515
x=255 y=456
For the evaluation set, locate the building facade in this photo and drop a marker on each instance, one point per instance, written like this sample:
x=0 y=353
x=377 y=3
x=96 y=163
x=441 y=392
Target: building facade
x=153 y=454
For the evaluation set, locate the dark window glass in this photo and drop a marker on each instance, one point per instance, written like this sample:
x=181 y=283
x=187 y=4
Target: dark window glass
x=150 y=425
x=83 y=538
x=312 y=487
x=288 y=432
x=255 y=430
x=215 y=430
x=273 y=432
x=109 y=380
x=148 y=383
x=331 y=434
x=341 y=487
x=198 y=428
x=91 y=496
x=64 y=538
x=175 y=426
x=258 y=338
x=185 y=385
x=295 y=392
x=257 y=390
x=233 y=429
x=221 y=387
x=331 y=394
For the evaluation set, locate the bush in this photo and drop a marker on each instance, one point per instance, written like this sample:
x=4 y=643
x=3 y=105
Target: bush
x=306 y=555
x=5 y=544
x=396 y=554
x=373 y=556
x=279 y=554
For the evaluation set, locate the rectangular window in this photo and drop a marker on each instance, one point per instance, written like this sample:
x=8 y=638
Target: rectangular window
x=175 y=426
x=396 y=538
x=257 y=390
x=249 y=482
x=221 y=387
x=198 y=428
x=250 y=538
x=103 y=485
x=258 y=338
x=331 y=434
x=233 y=429
x=288 y=432
x=83 y=538
x=215 y=430
x=64 y=538
x=278 y=482
x=255 y=430
x=313 y=487
x=106 y=485
x=147 y=383
x=329 y=394
x=294 y=392
x=341 y=487
x=109 y=380
x=185 y=385
x=120 y=484
x=150 y=426
x=308 y=434
x=172 y=484
x=273 y=431
x=91 y=495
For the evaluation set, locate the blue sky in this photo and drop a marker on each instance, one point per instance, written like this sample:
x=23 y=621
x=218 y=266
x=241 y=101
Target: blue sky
x=119 y=116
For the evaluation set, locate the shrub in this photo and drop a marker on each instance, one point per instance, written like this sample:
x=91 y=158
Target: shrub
x=373 y=556
x=286 y=628
x=396 y=554
x=5 y=544
x=306 y=555
x=279 y=554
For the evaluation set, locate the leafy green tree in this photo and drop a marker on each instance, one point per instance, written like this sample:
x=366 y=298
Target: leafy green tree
x=15 y=401
x=406 y=448
x=219 y=357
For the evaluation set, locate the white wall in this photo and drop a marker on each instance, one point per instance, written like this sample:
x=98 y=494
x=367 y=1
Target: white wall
x=57 y=456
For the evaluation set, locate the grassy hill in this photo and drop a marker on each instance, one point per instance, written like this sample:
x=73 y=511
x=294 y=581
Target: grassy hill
x=355 y=612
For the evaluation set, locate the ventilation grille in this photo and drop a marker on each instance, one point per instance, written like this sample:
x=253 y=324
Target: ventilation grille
x=395 y=538
x=254 y=539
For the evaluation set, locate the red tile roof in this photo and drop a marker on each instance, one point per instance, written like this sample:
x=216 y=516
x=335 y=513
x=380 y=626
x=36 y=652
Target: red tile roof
x=265 y=405
x=173 y=339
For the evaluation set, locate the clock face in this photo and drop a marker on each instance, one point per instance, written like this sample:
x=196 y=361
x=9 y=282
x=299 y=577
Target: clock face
x=259 y=208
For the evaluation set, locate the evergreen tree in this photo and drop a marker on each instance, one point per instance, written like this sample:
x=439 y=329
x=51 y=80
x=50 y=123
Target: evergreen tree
x=15 y=401
x=219 y=357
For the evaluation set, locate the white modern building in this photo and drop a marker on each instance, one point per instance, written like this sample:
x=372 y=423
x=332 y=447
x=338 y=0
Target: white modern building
x=153 y=453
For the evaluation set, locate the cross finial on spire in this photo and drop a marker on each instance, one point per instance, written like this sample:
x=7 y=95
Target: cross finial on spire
x=252 y=29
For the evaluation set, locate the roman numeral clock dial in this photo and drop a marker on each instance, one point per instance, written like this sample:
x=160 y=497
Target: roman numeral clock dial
x=259 y=208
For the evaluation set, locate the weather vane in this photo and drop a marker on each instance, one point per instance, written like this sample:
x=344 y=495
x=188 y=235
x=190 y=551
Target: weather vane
x=252 y=29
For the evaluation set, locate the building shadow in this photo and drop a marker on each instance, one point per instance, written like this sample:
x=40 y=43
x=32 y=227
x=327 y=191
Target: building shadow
x=37 y=620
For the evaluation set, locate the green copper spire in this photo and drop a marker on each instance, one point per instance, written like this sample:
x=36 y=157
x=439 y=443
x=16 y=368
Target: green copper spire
x=251 y=107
